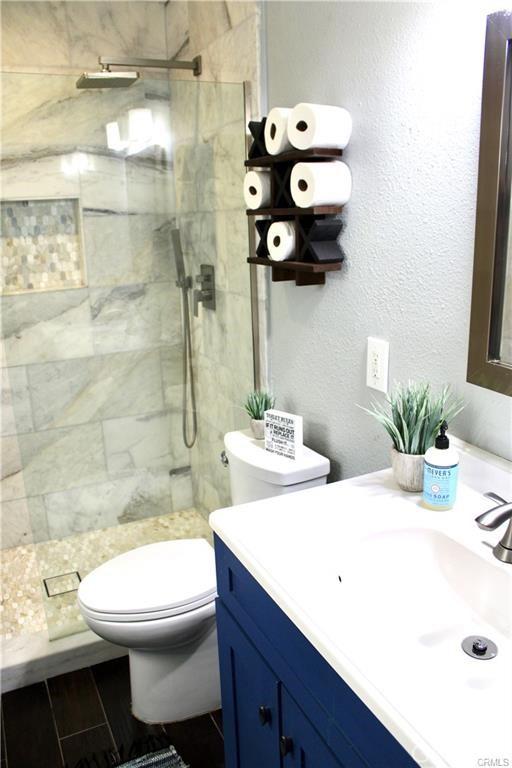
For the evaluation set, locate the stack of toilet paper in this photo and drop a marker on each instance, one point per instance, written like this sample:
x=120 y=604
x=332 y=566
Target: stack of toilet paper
x=312 y=183
x=321 y=183
x=257 y=189
x=307 y=126
x=281 y=241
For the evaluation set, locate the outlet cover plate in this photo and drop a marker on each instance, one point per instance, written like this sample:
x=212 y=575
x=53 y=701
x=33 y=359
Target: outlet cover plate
x=377 y=364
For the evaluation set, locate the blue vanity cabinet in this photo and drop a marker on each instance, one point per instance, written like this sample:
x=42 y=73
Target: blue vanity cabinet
x=249 y=698
x=262 y=722
x=301 y=746
x=283 y=705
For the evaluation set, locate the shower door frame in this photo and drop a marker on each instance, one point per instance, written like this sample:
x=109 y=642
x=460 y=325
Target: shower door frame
x=258 y=379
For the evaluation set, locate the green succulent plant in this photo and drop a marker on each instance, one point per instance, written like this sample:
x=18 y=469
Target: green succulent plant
x=257 y=403
x=412 y=415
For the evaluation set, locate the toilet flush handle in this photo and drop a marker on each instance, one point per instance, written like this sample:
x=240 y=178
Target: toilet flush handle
x=224 y=458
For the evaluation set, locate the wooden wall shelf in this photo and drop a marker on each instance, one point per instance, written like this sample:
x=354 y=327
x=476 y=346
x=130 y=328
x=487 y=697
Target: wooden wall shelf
x=295 y=156
x=318 y=210
x=317 y=250
x=303 y=272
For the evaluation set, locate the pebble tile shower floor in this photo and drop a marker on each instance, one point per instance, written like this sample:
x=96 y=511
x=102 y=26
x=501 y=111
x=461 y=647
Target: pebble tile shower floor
x=83 y=720
x=26 y=606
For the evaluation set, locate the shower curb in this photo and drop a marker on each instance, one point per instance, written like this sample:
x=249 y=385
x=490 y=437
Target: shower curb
x=28 y=659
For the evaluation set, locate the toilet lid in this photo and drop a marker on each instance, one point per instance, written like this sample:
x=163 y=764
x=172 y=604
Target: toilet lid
x=157 y=577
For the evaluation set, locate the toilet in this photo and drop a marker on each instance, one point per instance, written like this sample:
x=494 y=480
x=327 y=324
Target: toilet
x=159 y=600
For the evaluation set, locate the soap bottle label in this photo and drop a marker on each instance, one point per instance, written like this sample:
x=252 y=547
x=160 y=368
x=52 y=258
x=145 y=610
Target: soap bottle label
x=440 y=484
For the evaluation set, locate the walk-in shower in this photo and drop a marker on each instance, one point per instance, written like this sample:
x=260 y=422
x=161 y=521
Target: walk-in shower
x=98 y=333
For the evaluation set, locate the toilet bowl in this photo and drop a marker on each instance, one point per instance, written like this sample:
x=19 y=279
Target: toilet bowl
x=159 y=602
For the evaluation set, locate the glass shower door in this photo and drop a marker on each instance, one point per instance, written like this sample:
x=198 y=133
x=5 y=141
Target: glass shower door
x=208 y=130
x=94 y=461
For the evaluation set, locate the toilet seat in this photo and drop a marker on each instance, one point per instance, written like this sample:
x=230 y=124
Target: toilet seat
x=152 y=582
x=145 y=616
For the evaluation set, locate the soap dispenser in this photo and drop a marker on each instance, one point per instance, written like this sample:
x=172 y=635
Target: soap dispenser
x=440 y=475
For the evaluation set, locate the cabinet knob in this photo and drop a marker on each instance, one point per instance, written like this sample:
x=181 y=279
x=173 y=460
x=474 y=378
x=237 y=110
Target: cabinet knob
x=264 y=715
x=285 y=745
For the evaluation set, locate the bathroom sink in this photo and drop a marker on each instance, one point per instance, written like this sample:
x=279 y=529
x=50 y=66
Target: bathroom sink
x=387 y=591
x=433 y=581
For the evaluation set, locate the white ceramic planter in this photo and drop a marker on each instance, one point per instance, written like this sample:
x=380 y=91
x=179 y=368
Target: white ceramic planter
x=408 y=470
x=258 y=428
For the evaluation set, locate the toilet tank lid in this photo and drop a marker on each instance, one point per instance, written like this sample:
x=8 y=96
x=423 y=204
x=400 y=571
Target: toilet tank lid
x=271 y=468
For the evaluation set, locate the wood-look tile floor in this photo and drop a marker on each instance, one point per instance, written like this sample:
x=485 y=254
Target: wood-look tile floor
x=83 y=720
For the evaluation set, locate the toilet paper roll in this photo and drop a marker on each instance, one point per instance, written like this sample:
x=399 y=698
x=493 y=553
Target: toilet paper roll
x=276 y=131
x=328 y=183
x=281 y=241
x=318 y=125
x=257 y=189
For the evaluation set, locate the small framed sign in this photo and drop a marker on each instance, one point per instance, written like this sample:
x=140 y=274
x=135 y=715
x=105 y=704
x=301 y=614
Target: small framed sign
x=283 y=433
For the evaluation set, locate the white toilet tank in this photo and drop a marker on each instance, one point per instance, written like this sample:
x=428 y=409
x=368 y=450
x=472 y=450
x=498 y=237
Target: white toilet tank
x=257 y=474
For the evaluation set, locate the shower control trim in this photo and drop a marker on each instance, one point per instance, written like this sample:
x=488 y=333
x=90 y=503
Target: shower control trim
x=205 y=295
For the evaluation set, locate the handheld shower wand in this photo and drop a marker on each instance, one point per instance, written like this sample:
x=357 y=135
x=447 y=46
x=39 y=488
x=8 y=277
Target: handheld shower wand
x=184 y=282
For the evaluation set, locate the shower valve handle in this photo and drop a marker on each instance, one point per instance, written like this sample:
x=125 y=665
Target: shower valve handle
x=206 y=294
x=204 y=297
x=197 y=299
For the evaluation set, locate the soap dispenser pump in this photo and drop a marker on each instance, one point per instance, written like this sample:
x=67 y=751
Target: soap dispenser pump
x=440 y=475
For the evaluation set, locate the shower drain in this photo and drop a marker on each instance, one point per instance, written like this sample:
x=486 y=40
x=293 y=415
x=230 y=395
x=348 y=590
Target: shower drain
x=479 y=647
x=62 y=583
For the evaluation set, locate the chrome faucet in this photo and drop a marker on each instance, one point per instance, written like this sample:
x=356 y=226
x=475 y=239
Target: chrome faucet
x=492 y=519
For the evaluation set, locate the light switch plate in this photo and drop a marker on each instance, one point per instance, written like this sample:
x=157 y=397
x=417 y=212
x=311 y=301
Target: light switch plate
x=377 y=364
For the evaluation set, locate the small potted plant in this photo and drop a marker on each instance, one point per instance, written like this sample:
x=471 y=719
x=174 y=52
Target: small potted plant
x=412 y=416
x=256 y=405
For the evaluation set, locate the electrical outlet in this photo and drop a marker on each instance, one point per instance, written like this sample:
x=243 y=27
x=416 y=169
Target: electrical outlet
x=377 y=364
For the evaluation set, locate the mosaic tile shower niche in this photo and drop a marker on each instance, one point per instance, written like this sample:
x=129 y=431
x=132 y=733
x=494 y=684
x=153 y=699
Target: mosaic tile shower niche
x=41 y=245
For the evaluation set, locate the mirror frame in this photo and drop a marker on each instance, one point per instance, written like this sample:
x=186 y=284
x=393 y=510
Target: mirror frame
x=491 y=233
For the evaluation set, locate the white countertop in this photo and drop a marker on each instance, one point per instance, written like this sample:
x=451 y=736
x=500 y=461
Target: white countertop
x=413 y=584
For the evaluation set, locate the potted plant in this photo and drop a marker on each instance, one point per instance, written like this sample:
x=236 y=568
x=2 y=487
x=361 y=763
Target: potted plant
x=256 y=405
x=412 y=416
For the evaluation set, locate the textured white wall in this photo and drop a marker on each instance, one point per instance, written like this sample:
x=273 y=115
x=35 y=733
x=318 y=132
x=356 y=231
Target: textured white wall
x=411 y=75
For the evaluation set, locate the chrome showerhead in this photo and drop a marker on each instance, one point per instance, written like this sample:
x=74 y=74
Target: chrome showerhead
x=107 y=79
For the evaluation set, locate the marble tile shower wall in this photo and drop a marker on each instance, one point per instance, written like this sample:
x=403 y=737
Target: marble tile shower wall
x=91 y=377
x=208 y=156
x=61 y=36
x=227 y=35
x=55 y=34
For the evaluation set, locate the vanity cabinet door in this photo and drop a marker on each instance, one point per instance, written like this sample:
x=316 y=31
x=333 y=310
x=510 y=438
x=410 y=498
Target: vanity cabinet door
x=249 y=699
x=300 y=744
